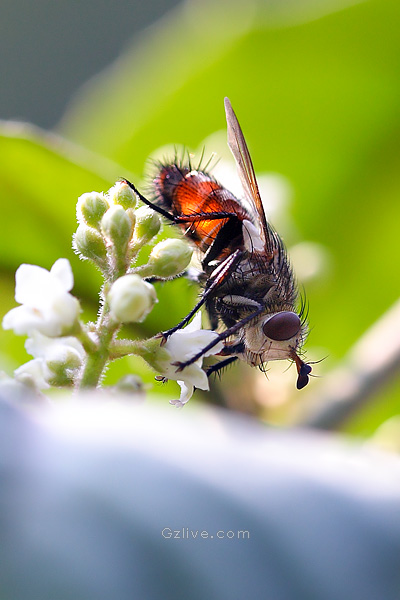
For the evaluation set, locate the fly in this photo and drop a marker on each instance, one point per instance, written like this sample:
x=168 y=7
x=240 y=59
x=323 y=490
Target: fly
x=249 y=288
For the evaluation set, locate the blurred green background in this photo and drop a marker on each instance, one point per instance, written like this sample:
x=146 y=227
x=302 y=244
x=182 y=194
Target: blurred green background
x=316 y=87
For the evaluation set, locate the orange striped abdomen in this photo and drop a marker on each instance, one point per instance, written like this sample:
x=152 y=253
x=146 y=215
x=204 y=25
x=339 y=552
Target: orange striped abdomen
x=189 y=194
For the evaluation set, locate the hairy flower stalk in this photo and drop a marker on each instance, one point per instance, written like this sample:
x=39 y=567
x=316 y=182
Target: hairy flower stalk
x=66 y=351
x=96 y=361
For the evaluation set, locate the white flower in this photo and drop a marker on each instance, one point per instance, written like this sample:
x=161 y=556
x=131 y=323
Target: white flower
x=182 y=345
x=33 y=374
x=65 y=353
x=67 y=349
x=46 y=305
x=11 y=387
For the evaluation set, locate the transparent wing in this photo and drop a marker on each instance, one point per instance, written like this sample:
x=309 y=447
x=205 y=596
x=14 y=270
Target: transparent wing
x=240 y=151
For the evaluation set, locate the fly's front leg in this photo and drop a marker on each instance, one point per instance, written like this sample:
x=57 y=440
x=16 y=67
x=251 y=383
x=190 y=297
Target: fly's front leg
x=156 y=208
x=216 y=279
x=222 y=336
x=230 y=350
x=220 y=365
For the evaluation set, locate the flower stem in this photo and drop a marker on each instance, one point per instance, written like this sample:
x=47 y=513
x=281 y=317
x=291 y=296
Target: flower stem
x=122 y=348
x=98 y=359
x=87 y=342
x=143 y=270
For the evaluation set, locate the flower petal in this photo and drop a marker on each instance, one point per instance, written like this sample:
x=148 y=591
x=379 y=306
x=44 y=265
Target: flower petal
x=63 y=312
x=186 y=394
x=32 y=373
x=31 y=285
x=62 y=272
x=194 y=375
x=23 y=320
x=41 y=346
x=195 y=323
x=185 y=343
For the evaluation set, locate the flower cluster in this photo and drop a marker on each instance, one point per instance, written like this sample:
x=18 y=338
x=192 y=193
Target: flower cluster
x=112 y=231
x=67 y=352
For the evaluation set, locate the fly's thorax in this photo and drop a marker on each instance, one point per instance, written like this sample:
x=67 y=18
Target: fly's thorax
x=250 y=282
x=273 y=337
x=265 y=279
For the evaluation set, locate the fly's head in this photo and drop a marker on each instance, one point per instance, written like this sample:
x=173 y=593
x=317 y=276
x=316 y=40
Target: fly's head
x=277 y=336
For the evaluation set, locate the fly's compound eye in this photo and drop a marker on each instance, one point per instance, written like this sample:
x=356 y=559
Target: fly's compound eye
x=282 y=326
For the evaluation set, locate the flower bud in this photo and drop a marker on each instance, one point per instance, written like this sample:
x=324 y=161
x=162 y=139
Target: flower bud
x=131 y=212
x=90 y=244
x=117 y=227
x=91 y=208
x=147 y=225
x=169 y=258
x=65 y=358
x=131 y=299
x=61 y=369
x=61 y=378
x=130 y=384
x=122 y=194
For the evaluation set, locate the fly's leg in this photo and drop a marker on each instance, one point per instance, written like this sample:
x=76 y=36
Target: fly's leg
x=230 y=350
x=220 y=337
x=182 y=219
x=220 y=365
x=216 y=279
